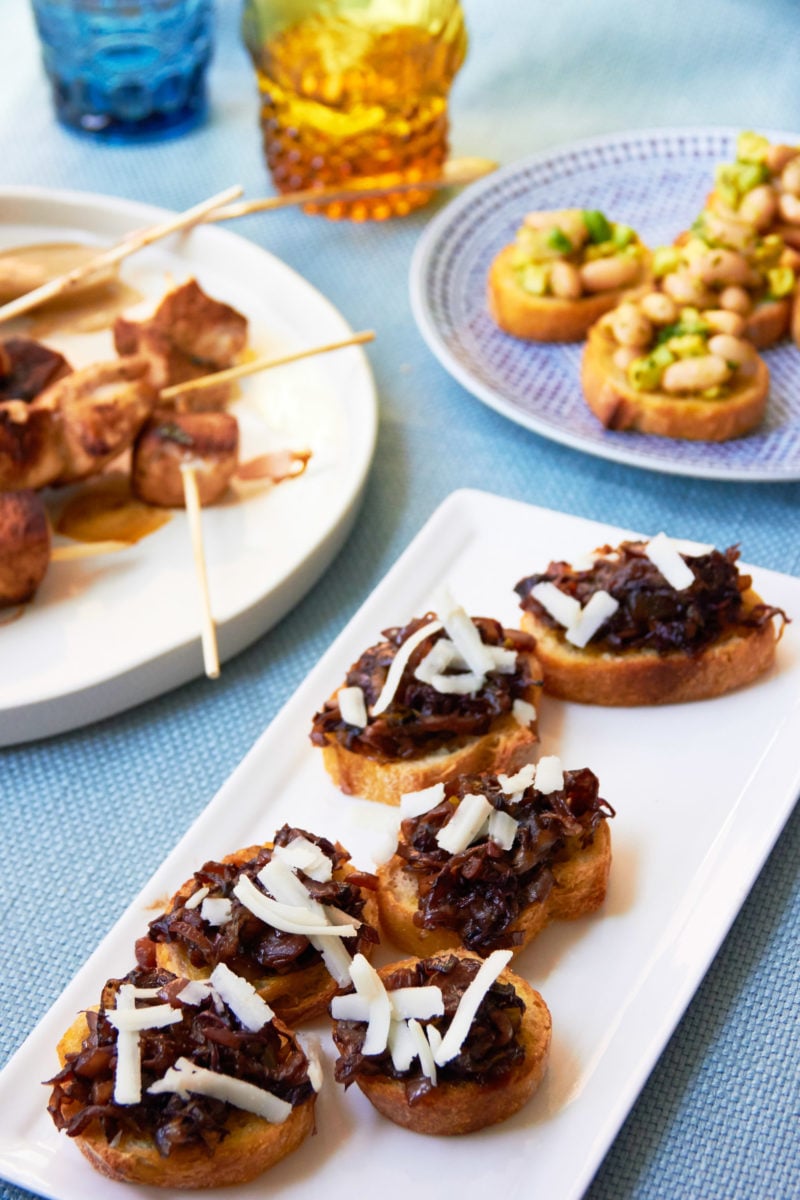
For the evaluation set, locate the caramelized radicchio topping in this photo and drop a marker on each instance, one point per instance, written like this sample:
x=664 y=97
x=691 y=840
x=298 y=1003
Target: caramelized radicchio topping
x=83 y=1089
x=492 y=1046
x=481 y=891
x=651 y=613
x=421 y=719
x=246 y=944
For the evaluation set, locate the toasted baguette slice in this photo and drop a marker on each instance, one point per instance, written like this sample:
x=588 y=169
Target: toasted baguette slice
x=594 y=676
x=620 y=406
x=465 y=1106
x=251 y=1145
x=581 y=881
x=506 y=747
x=546 y=318
x=294 y=997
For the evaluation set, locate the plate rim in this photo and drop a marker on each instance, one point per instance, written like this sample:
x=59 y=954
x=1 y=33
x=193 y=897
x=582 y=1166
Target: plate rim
x=462 y=506
x=427 y=247
x=79 y=705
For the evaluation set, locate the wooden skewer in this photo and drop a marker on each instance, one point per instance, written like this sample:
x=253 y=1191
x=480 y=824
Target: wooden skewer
x=455 y=173
x=107 y=258
x=85 y=550
x=208 y=630
x=261 y=364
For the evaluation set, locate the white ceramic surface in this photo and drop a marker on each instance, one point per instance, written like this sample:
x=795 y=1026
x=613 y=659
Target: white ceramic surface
x=106 y=633
x=701 y=792
x=655 y=180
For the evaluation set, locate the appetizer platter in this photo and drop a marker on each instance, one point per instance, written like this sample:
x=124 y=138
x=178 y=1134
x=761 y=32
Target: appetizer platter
x=723 y=769
x=655 y=183
x=66 y=663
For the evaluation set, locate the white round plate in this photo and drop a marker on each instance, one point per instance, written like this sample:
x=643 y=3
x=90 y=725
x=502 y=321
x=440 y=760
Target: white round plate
x=656 y=181
x=103 y=634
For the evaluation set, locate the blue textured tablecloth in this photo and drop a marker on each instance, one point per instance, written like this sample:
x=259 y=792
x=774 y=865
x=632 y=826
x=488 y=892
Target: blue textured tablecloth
x=718 y=1117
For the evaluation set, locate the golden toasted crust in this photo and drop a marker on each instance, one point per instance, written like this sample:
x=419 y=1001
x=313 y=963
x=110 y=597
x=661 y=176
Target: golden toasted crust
x=637 y=677
x=452 y=1108
x=581 y=880
x=544 y=318
x=294 y=997
x=620 y=406
x=251 y=1146
x=506 y=747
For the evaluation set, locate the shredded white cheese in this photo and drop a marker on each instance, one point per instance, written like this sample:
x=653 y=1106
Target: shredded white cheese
x=197 y=898
x=241 y=998
x=310 y=1046
x=402 y=1046
x=288 y=918
x=414 y=804
x=304 y=855
x=465 y=823
x=502 y=829
x=465 y=684
x=185 y=1078
x=128 y=1072
x=664 y=555
x=442 y=655
x=423 y=1047
x=134 y=1020
x=420 y=1003
x=399 y=664
x=511 y=784
x=216 y=910
x=523 y=713
x=468 y=1005
x=465 y=635
x=195 y=992
x=549 y=775
x=352 y=706
x=369 y=986
x=595 y=613
x=561 y=607
x=290 y=891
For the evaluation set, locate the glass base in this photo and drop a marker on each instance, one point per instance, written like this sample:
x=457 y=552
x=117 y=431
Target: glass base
x=111 y=127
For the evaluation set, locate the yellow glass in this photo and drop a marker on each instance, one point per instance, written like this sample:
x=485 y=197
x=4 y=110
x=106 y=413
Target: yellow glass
x=354 y=89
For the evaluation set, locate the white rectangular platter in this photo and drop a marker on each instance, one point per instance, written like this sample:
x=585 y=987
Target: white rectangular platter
x=701 y=792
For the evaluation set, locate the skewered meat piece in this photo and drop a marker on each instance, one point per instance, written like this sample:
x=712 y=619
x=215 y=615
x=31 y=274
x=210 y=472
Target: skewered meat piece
x=24 y=545
x=76 y=426
x=27 y=367
x=189 y=335
x=208 y=439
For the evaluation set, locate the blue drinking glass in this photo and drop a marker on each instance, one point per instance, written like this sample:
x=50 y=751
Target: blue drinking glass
x=124 y=70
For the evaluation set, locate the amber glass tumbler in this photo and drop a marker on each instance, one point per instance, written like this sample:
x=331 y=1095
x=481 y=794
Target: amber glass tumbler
x=355 y=89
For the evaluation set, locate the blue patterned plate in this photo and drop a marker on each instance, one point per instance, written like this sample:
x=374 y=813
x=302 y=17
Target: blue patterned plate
x=655 y=180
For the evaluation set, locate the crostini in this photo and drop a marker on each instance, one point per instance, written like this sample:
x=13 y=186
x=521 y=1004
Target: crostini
x=761 y=187
x=724 y=264
x=288 y=916
x=485 y=861
x=659 y=368
x=182 y=1085
x=647 y=624
x=442 y=696
x=443 y=1045
x=563 y=271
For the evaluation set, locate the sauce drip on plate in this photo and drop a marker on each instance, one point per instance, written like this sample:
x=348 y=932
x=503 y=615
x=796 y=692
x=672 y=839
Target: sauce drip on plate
x=104 y=509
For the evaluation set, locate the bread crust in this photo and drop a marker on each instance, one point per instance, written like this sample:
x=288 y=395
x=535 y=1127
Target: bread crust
x=639 y=677
x=294 y=997
x=506 y=747
x=453 y=1108
x=581 y=881
x=251 y=1146
x=619 y=406
x=545 y=318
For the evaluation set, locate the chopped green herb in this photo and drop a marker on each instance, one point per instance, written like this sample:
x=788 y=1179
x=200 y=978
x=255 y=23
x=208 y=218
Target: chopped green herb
x=597 y=225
